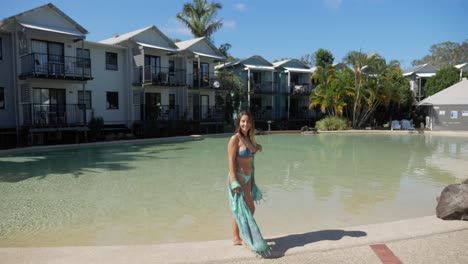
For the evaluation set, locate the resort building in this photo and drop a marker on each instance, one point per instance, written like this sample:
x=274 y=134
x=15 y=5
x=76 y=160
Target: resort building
x=294 y=89
x=53 y=81
x=49 y=71
x=417 y=77
x=276 y=91
x=258 y=76
x=448 y=109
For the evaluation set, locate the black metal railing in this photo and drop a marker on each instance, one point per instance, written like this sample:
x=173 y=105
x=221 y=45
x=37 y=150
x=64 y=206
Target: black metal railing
x=302 y=113
x=156 y=112
x=300 y=89
x=264 y=87
x=205 y=80
x=42 y=65
x=207 y=113
x=159 y=76
x=53 y=115
x=264 y=113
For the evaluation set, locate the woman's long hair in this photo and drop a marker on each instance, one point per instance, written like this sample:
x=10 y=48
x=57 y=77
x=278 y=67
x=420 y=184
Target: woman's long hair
x=251 y=132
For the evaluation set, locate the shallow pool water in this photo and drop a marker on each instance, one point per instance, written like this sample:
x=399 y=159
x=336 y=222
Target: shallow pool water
x=174 y=192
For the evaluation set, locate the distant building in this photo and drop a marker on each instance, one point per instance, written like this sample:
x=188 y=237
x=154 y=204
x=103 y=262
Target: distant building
x=417 y=77
x=448 y=109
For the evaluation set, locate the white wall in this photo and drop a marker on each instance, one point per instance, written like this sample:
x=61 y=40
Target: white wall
x=109 y=81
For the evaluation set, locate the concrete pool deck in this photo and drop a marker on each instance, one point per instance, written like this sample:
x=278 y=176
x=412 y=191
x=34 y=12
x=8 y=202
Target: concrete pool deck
x=418 y=240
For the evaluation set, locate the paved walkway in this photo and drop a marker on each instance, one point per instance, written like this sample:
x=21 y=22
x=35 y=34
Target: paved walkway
x=418 y=240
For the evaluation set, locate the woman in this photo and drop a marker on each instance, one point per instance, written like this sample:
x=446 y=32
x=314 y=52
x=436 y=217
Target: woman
x=243 y=191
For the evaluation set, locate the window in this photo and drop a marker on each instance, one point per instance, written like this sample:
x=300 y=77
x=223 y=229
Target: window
x=171 y=101
x=2 y=98
x=1 y=49
x=83 y=58
x=111 y=61
x=84 y=99
x=112 y=100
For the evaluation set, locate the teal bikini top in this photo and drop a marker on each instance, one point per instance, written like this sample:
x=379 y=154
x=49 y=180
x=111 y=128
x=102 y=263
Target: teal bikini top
x=245 y=153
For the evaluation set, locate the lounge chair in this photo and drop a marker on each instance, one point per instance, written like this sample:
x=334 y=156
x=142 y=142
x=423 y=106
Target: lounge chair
x=395 y=125
x=406 y=125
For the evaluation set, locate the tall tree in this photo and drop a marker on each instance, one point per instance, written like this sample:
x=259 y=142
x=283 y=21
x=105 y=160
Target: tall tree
x=323 y=58
x=445 y=54
x=200 y=17
x=444 y=78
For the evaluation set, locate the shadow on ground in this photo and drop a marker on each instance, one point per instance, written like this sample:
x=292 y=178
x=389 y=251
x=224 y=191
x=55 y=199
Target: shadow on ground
x=281 y=245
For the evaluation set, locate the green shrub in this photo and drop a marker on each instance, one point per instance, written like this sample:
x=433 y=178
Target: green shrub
x=332 y=123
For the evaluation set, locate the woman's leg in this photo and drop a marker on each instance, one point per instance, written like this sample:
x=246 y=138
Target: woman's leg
x=235 y=234
x=248 y=196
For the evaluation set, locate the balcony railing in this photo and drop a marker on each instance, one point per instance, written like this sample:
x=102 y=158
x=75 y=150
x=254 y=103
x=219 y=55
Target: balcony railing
x=302 y=113
x=156 y=112
x=265 y=113
x=300 y=89
x=204 y=80
x=53 y=115
x=42 y=65
x=159 y=76
x=207 y=113
x=264 y=87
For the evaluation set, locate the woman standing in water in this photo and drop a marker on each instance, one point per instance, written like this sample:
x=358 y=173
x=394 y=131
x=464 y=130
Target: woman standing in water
x=243 y=190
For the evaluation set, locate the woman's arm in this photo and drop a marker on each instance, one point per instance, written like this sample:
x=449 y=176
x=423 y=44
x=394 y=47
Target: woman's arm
x=233 y=145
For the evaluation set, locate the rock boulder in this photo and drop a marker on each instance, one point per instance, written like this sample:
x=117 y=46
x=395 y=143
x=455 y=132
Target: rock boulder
x=453 y=202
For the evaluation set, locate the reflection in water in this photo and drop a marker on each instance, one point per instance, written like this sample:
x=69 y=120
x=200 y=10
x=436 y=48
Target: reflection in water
x=152 y=193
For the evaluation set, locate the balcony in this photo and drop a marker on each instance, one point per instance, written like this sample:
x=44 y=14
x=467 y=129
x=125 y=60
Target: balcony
x=53 y=115
x=156 y=112
x=50 y=66
x=204 y=81
x=301 y=114
x=265 y=113
x=264 y=87
x=300 y=89
x=162 y=76
x=207 y=113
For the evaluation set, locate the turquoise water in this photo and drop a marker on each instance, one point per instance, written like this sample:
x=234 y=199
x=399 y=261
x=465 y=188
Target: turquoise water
x=176 y=192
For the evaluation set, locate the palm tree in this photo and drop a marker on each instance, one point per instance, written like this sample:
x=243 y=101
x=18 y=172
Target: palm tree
x=199 y=17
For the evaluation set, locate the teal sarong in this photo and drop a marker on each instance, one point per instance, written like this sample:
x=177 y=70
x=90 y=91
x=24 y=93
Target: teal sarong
x=248 y=228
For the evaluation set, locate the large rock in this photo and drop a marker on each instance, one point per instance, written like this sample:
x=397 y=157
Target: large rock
x=453 y=202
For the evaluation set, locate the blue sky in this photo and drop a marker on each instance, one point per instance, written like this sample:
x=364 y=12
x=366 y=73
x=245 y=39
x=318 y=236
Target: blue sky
x=396 y=29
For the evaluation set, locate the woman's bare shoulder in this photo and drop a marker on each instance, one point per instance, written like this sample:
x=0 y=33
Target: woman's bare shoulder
x=234 y=139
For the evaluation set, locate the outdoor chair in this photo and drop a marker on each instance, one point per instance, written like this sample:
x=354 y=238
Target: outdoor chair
x=395 y=125
x=406 y=125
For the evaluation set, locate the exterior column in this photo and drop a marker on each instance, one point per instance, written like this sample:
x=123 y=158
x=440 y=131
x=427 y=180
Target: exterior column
x=289 y=93
x=248 y=88
x=273 y=93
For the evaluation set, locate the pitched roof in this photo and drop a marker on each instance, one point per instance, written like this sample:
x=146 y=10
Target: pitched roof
x=424 y=68
x=463 y=66
x=121 y=38
x=46 y=6
x=456 y=94
x=185 y=45
x=241 y=61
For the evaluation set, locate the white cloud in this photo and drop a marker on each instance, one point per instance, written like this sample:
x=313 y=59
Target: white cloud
x=333 y=4
x=240 y=7
x=229 y=24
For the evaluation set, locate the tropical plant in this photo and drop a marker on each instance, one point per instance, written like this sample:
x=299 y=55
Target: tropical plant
x=444 y=78
x=332 y=92
x=332 y=123
x=200 y=16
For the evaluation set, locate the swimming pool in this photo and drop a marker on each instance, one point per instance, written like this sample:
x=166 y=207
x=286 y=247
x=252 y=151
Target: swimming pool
x=174 y=192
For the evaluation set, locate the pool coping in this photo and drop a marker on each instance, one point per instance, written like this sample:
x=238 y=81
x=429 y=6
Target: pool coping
x=219 y=251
